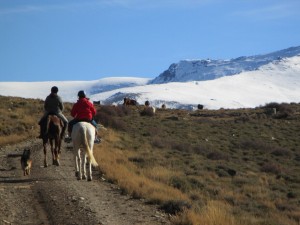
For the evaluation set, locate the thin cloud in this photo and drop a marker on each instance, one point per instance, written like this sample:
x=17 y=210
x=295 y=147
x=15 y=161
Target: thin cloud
x=47 y=7
x=146 y=4
x=134 y=4
x=272 y=12
x=21 y=9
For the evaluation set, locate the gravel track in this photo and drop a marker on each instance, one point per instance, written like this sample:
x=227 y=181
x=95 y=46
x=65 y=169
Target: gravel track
x=54 y=196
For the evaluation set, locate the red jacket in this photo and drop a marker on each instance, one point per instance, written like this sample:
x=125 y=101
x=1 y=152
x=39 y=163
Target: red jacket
x=83 y=109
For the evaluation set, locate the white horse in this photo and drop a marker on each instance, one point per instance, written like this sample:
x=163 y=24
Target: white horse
x=83 y=136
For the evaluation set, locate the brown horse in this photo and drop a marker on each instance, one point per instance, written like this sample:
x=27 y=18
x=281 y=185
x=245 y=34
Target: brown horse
x=128 y=101
x=53 y=136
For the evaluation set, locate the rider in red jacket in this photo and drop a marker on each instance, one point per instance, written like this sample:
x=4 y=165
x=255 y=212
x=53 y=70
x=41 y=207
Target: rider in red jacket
x=82 y=110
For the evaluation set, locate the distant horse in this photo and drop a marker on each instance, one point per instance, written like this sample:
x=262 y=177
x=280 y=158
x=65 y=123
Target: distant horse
x=83 y=136
x=54 y=127
x=128 y=101
x=148 y=110
x=96 y=102
x=200 y=106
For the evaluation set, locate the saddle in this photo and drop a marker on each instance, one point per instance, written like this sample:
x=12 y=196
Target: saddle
x=45 y=121
x=83 y=120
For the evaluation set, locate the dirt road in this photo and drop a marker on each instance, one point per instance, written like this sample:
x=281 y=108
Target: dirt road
x=53 y=196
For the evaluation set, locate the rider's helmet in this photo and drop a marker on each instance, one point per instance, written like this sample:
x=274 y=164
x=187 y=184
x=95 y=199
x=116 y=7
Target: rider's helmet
x=81 y=94
x=54 y=89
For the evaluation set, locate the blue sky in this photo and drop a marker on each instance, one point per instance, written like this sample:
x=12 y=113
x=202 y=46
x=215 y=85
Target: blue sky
x=61 y=40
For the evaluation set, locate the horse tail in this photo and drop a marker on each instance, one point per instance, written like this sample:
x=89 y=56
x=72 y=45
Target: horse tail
x=89 y=152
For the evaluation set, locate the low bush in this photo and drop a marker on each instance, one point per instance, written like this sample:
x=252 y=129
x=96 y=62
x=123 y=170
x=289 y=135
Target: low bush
x=111 y=116
x=217 y=155
x=175 y=206
x=257 y=145
x=280 y=152
x=279 y=111
x=158 y=142
x=271 y=168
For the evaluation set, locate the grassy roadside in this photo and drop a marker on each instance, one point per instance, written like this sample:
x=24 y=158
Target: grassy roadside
x=18 y=119
x=229 y=166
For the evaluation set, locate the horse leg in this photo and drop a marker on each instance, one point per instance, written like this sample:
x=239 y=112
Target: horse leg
x=90 y=164
x=56 y=157
x=77 y=163
x=59 y=146
x=84 y=166
x=45 y=155
x=52 y=151
x=56 y=151
x=90 y=171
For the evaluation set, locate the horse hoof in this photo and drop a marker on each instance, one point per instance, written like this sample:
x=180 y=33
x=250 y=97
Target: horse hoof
x=84 y=177
x=57 y=163
x=45 y=165
x=76 y=174
x=79 y=178
x=89 y=179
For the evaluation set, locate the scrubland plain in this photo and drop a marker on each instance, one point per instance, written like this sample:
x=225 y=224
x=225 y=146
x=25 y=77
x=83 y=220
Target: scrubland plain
x=226 y=167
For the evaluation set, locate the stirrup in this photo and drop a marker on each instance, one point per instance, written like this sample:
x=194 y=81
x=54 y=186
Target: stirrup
x=97 y=140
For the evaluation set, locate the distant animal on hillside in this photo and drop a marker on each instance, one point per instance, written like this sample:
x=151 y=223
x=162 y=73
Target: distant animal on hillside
x=96 y=102
x=53 y=136
x=163 y=106
x=26 y=161
x=128 y=101
x=83 y=136
x=148 y=110
x=200 y=106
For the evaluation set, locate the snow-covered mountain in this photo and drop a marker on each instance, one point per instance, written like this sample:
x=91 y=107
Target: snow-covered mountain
x=199 y=70
x=275 y=82
x=273 y=77
x=69 y=89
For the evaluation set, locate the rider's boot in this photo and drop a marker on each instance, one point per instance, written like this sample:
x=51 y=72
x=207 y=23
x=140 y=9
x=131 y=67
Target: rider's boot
x=97 y=139
x=64 y=130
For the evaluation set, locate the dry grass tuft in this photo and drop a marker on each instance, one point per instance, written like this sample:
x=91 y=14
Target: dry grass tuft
x=117 y=168
x=214 y=213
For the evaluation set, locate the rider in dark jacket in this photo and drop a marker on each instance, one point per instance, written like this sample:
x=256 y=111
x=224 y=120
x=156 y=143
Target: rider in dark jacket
x=53 y=105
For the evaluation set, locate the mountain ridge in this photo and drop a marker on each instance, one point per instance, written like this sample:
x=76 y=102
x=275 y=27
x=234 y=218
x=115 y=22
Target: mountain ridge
x=210 y=69
x=277 y=81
